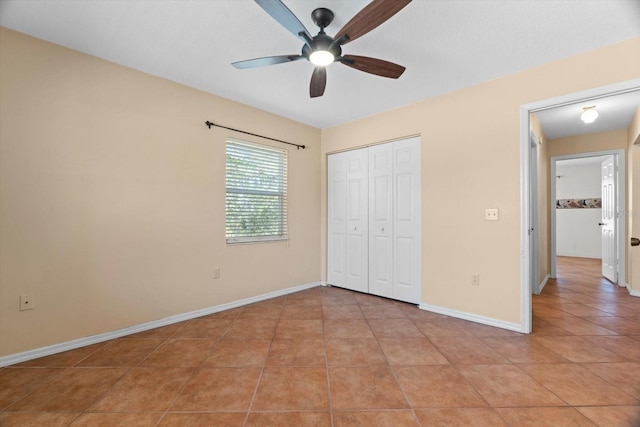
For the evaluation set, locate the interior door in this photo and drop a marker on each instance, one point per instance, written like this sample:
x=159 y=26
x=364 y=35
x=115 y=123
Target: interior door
x=357 y=234
x=337 y=219
x=608 y=223
x=381 y=220
x=407 y=221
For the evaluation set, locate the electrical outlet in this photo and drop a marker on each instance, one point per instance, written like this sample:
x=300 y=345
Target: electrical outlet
x=216 y=273
x=26 y=302
x=475 y=279
x=491 y=214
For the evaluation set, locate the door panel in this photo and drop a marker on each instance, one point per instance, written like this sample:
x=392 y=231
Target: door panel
x=404 y=251
x=404 y=192
x=380 y=220
x=407 y=280
x=338 y=257
x=357 y=221
x=337 y=219
x=608 y=223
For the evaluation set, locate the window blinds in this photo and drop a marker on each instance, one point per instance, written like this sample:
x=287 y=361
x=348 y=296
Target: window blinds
x=256 y=199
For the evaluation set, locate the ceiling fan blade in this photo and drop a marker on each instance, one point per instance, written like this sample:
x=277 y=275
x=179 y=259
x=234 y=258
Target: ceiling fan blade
x=373 y=66
x=318 y=82
x=285 y=17
x=371 y=16
x=268 y=60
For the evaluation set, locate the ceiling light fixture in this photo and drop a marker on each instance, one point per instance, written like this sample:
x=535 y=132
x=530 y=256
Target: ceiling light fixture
x=321 y=58
x=589 y=115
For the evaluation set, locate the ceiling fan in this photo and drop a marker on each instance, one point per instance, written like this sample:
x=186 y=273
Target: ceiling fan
x=322 y=49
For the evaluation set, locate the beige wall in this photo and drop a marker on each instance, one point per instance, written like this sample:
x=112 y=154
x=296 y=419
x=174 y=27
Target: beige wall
x=603 y=141
x=633 y=208
x=471 y=161
x=544 y=213
x=112 y=191
x=112 y=198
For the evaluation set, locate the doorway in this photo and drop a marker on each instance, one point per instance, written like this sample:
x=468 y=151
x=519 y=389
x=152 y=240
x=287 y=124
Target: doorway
x=584 y=223
x=529 y=262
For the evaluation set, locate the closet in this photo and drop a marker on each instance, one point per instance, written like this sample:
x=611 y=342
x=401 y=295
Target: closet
x=374 y=220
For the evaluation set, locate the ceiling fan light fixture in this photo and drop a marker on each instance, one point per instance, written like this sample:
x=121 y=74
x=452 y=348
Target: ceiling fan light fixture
x=321 y=50
x=589 y=115
x=321 y=58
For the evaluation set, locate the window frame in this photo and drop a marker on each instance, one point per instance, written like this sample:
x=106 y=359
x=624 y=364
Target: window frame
x=282 y=217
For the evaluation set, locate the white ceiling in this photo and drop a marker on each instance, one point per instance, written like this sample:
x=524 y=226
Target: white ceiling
x=582 y=161
x=614 y=112
x=445 y=45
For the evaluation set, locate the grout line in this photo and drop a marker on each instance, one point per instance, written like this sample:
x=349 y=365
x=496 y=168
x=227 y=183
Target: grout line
x=62 y=371
x=326 y=367
x=197 y=369
x=393 y=371
x=264 y=364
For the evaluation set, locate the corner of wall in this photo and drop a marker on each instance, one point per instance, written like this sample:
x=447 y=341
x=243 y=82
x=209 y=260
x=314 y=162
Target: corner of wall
x=633 y=206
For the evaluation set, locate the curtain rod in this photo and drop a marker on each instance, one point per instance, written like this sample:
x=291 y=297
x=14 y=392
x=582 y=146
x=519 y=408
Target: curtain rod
x=209 y=124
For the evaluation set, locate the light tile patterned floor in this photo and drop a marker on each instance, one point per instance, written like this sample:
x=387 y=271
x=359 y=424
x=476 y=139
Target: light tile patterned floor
x=331 y=357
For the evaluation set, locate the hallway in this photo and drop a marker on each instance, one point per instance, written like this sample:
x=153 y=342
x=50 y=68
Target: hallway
x=595 y=324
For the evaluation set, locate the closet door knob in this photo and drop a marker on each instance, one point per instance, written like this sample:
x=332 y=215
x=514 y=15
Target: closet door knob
x=382 y=229
x=355 y=228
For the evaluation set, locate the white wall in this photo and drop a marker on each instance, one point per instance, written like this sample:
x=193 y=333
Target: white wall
x=577 y=230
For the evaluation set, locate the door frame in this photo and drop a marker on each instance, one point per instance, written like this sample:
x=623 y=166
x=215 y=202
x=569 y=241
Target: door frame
x=527 y=261
x=619 y=156
x=534 y=233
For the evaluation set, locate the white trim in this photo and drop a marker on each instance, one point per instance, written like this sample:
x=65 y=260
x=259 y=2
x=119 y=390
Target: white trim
x=552 y=230
x=525 y=198
x=472 y=317
x=632 y=292
x=534 y=247
x=543 y=283
x=526 y=313
x=106 y=336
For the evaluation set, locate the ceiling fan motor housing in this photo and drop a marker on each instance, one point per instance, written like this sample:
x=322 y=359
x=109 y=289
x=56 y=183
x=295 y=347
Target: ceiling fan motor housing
x=324 y=42
x=322 y=17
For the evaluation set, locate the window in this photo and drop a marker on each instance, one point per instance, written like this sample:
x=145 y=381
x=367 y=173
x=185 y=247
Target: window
x=256 y=201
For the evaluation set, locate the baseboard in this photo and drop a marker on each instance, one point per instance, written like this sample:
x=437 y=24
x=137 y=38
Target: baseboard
x=632 y=292
x=93 y=339
x=543 y=283
x=472 y=317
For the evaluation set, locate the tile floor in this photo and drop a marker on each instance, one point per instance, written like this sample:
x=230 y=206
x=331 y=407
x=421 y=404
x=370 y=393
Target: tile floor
x=331 y=357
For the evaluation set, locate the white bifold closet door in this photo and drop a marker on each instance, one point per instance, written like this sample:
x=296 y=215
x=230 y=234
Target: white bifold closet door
x=376 y=188
x=347 y=223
